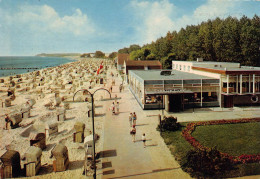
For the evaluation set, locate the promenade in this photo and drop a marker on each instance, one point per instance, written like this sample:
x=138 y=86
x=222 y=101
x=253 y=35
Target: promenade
x=122 y=158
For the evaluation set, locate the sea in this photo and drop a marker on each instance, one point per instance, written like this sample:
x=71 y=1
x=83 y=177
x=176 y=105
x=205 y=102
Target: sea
x=13 y=65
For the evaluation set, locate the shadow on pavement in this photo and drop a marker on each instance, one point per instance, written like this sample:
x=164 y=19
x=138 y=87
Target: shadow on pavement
x=108 y=172
x=106 y=165
x=151 y=145
x=153 y=171
x=107 y=153
x=141 y=124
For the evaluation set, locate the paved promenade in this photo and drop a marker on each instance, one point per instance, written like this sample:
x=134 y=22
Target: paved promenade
x=122 y=158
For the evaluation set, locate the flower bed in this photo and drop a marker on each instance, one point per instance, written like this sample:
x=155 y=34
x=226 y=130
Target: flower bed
x=186 y=133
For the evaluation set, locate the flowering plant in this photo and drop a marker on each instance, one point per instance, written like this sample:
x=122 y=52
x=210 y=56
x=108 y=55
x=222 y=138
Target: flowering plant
x=187 y=134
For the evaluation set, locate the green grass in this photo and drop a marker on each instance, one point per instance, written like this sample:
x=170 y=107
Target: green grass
x=234 y=139
x=177 y=144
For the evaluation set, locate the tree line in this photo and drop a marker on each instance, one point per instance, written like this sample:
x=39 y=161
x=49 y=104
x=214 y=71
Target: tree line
x=222 y=40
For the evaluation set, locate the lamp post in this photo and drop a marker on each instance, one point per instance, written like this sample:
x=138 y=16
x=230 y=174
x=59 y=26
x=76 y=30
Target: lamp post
x=93 y=125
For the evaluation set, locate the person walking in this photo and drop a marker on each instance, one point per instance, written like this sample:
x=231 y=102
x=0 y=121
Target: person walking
x=117 y=107
x=131 y=119
x=120 y=88
x=133 y=132
x=113 y=108
x=144 y=139
x=134 y=118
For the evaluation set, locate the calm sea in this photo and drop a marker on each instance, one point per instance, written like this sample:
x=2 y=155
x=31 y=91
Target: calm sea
x=7 y=63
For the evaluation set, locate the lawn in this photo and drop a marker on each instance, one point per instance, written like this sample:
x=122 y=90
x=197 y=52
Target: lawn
x=234 y=139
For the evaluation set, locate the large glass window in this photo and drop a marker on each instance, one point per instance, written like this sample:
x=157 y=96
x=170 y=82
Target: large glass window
x=153 y=99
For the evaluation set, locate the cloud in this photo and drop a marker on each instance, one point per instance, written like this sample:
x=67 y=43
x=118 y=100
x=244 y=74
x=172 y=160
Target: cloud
x=46 y=19
x=156 y=18
x=159 y=17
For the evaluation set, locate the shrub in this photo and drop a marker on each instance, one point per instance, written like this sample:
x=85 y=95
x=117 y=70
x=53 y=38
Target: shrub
x=207 y=162
x=169 y=124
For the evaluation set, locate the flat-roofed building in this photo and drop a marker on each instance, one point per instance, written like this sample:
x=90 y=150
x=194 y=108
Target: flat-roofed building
x=238 y=85
x=173 y=90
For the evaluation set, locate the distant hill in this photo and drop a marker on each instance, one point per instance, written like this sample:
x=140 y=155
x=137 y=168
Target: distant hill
x=57 y=54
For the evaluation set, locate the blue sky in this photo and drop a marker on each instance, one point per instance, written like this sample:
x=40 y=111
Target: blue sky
x=29 y=27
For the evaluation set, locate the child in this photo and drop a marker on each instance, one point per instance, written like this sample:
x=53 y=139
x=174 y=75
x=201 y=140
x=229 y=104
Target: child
x=117 y=107
x=133 y=132
x=144 y=139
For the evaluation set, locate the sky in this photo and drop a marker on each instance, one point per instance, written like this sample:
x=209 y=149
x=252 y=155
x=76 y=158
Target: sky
x=30 y=27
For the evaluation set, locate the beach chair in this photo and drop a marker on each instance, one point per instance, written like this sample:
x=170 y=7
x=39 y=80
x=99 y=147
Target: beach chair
x=60 y=153
x=78 y=136
x=10 y=164
x=33 y=161
x=38 y=140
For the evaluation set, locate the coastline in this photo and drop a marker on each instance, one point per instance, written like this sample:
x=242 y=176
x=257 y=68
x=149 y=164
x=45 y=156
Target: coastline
x=35 y=68
x=56 y=79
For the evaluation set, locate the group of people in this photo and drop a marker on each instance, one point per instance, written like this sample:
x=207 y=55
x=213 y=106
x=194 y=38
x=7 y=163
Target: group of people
x=132 y=121
x=115 y=108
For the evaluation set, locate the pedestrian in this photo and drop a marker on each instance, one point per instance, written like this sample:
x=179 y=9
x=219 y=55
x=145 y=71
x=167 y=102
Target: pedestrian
x=117 y=107
x=115 y=98
x=134 y=118
x=120 y=88
x=131 y=119
x=7 y=121
x=113 y=108
x=133 y=132
x=144 y=139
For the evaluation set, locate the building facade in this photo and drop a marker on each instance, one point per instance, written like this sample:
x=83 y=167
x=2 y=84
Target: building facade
x=238 y=85
x=193 y=84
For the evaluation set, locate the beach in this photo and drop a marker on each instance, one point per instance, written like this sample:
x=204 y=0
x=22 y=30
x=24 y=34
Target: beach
x=52 y=90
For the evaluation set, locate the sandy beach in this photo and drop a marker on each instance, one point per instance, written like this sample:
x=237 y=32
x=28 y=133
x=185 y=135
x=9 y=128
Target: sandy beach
x=52 y=90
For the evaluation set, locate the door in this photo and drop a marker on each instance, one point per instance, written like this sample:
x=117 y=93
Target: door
x=175 y=102
x=228 y=101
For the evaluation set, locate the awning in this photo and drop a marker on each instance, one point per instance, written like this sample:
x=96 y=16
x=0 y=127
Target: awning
x=175 y=91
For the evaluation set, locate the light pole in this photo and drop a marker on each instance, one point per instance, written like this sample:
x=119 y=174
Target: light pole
x=93 y=125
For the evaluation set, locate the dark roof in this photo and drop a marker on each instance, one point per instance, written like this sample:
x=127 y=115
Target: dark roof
x=143 y=63
x=121 y=57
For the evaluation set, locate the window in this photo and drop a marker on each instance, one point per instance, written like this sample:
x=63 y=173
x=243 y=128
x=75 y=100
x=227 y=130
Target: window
x=153 y=99
x=173 y=66
x=180 y=67
x=177 y=66
x=188 y=68
x=184 y=68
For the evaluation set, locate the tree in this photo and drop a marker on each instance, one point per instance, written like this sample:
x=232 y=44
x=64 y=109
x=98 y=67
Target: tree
x=151 y=57
x=228 y=40
x=99 y=54
x=112 y=55
x=133 y=48
x=137 y=55
x=169 y=124
x=84 y=55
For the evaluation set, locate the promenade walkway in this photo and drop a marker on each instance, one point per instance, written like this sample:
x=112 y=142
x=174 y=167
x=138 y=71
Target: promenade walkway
x=122 y=158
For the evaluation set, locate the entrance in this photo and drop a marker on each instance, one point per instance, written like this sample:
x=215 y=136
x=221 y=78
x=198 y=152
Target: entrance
x=176 y=102
x=228 y=101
